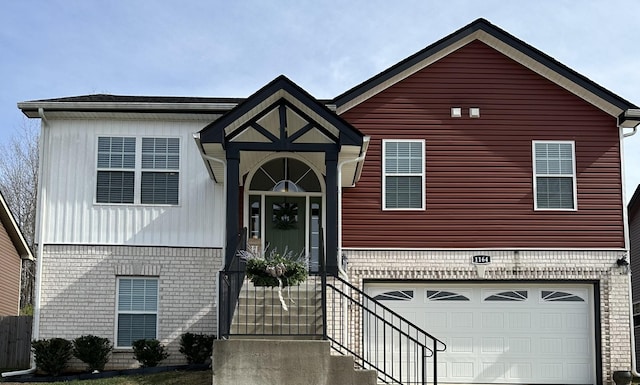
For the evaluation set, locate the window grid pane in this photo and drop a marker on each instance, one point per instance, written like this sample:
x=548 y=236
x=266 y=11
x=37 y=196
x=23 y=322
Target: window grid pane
x=159 y=188
x=132 y=327
x=138 y=295
x=161 y=153
x=403 y=192
x=554 y=159
x=403 y=158
x=554 y=193
x=115 y=187
x=116 y=152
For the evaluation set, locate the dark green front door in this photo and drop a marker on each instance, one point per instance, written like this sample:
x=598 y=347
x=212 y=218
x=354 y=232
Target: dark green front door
x=285 y=224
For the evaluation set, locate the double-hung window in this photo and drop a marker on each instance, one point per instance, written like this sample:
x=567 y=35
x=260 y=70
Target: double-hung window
x=116 y=170
x=403 y=180
x=137 y=308
x=160 y=164
x=554 y=179
x=138 y=170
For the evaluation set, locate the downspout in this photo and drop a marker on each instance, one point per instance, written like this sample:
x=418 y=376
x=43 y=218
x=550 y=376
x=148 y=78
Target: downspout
x=363 y=153
x=196 y=137
x=622 y=377
x=633 y=116
x=345 y=328
x=35 y=331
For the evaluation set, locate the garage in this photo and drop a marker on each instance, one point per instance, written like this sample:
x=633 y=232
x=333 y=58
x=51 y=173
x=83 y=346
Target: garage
x=516 y=333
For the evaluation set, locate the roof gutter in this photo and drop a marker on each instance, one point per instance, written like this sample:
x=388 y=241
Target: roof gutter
x=32 y=109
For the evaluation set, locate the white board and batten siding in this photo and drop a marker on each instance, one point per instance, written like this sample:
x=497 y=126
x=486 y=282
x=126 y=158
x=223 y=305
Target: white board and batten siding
x=71 y=215
x=515 y=333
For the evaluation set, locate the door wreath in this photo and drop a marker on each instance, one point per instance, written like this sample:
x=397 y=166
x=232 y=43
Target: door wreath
x=285 y=215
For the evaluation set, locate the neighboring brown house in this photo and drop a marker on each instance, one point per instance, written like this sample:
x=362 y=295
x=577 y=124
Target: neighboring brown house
x=13 y=249
x=634 y=256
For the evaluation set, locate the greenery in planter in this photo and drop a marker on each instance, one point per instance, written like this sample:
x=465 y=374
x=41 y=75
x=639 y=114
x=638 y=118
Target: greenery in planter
x=197 y=348
x=275 y=269
x=149 y=353
x=52 y=355
x=93 y=351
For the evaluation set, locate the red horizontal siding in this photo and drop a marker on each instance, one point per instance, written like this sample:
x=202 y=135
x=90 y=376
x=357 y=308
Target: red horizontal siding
x=479 y=182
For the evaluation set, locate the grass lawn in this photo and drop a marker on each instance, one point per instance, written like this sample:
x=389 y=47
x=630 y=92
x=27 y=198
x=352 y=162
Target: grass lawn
x=165 y=378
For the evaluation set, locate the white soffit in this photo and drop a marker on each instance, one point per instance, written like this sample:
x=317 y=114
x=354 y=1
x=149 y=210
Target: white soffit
x=125 y=115
x=215 y=150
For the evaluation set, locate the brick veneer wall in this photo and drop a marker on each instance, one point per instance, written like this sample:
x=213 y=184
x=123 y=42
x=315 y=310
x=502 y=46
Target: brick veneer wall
x=79 y=292
x=525 y=265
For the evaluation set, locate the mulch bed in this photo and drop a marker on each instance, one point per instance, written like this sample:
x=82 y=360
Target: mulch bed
x=106 y=374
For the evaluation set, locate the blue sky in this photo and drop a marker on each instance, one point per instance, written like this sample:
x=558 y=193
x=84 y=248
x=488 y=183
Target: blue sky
x=56 y=48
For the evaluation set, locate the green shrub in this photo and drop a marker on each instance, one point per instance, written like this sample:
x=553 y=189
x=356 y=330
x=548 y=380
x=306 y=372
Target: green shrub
x=93 y=351
x=149 y=353
x=197 y=348
x=51 y=355
x=27 y=310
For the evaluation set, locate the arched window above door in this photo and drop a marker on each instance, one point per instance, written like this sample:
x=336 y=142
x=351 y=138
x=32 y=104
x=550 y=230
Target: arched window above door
x=285 y=175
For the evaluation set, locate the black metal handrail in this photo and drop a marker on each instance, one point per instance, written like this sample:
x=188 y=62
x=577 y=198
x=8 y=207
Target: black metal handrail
x=400 y=351
x=260 y=312
x=230 y=284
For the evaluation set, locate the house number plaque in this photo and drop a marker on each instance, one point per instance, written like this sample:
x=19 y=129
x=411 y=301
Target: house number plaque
x=481 y=259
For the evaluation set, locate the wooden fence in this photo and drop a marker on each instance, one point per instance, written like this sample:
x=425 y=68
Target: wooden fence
x=15 y=342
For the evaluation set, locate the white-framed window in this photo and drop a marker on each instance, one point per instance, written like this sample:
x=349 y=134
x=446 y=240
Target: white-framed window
x=403 y=179
x=137 y=310
x=134 y=170
x=554 y=180
x=160 y=165
x=116 y=170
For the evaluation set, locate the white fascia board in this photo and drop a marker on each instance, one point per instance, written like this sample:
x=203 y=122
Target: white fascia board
x=122 y=106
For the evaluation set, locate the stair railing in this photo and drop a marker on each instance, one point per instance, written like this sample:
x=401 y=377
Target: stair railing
x=378 y=338
x=230 y=281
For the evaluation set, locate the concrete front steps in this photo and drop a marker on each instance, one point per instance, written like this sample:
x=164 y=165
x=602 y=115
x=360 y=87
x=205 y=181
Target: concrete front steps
x=284 y=362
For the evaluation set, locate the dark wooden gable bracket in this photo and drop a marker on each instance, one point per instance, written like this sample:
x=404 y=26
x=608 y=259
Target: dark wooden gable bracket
x=284 y=142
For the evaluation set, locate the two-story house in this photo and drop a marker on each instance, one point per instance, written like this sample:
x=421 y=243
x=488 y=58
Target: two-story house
x=13 y=249
x=474 y=188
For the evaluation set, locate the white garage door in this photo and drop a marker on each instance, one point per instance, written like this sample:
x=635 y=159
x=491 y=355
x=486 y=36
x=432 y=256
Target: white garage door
x=502 y=333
